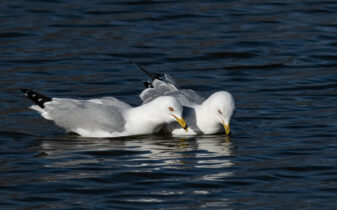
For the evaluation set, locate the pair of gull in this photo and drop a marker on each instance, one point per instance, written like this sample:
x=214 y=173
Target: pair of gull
x=165 y=108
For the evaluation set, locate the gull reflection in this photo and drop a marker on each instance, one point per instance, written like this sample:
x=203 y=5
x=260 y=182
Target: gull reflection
x=98 y=157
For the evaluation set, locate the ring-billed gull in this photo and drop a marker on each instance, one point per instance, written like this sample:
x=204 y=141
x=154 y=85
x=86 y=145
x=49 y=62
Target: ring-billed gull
x=108 y=116
x=203 y=116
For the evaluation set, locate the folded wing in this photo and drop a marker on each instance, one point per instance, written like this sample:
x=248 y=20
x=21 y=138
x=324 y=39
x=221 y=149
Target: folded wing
x=167 y=87
x=73 y=114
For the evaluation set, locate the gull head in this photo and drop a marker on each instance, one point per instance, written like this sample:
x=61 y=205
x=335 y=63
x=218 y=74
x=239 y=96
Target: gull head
x=168 y=109
x=222 y=106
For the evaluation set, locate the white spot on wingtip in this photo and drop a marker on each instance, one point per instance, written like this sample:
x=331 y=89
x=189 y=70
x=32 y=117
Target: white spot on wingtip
x=33 y=95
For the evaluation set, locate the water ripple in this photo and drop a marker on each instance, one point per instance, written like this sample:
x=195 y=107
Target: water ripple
x=277 y=58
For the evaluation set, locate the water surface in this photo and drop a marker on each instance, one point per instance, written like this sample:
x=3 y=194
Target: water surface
x=277 y=58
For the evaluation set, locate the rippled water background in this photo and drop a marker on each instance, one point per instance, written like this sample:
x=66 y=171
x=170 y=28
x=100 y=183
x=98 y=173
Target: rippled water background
x=277 y=58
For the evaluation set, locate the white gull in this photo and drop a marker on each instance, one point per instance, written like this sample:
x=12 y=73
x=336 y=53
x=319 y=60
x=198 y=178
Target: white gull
x=108 y=116
x=203 y=116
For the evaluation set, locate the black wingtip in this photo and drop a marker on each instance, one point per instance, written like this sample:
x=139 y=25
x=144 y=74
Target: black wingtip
x=36 y=97
x=141 y=68
x=148 y=84
x=152 y=76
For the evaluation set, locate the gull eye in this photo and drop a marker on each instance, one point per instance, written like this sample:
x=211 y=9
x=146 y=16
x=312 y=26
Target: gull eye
x=219 y=111
x=171 y=109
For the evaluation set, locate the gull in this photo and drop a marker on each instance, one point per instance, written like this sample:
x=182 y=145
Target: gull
x=203 y=116
x=108 y=116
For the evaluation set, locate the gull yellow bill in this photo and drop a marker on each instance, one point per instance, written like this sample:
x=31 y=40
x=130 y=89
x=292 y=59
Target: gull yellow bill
x=227 y=128
x=181 y=122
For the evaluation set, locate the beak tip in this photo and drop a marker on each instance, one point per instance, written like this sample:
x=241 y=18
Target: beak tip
x=227 y=129
x=182 y=123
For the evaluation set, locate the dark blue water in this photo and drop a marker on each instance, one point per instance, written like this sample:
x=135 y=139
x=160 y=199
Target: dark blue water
x=277 y=58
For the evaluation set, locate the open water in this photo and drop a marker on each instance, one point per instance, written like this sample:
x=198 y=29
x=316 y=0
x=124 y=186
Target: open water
x=277 y=58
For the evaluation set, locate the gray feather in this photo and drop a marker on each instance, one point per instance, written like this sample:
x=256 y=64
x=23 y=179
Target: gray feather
x=168 y=88
x=73 y=114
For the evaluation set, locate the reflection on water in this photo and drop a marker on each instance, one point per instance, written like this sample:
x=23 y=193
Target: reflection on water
x=277 y=58
x=119 y=169
x=137 y=155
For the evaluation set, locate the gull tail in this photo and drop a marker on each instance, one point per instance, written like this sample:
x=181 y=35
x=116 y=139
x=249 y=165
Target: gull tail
x=153 y=76
x=36 y=97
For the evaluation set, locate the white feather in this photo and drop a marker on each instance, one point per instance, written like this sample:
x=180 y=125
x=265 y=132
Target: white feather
x=202 y=115
x=110 y=117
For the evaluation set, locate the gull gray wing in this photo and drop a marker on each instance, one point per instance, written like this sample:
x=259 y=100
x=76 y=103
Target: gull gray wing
x=192 y=96
x=168 y=79
x=168 y=87
x=83 y=114
x=110 y=101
